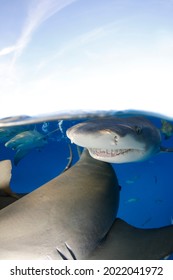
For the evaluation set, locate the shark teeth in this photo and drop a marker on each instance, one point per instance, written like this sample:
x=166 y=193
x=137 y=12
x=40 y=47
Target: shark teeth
x=109 y=153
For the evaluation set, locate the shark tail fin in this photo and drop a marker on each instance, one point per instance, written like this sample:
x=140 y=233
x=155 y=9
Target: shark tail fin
x=125 y=242
x=5 y=176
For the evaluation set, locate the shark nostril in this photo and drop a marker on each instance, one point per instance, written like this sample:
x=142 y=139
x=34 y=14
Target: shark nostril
x=116 y=139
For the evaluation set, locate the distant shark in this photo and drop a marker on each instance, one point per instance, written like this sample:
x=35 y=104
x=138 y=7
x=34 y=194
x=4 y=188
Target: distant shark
x=7 y=196
x=6 y=133
x=73 y=216
x=118 y=140
x=24 y=142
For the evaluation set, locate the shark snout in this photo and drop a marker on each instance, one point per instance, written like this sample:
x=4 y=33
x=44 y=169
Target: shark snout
x=102 y=139
x=119 y=138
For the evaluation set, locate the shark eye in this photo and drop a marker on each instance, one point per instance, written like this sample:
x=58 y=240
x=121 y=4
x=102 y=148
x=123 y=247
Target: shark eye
x=138 y=130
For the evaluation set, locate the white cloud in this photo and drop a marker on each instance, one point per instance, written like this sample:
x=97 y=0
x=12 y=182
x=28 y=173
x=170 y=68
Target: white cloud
x=39 y=12
x=8 y=50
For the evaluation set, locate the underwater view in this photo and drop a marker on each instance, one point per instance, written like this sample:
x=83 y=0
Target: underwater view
x=86 y=130
x=41 y=150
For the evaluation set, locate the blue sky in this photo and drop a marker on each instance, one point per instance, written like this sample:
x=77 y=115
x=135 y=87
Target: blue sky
x=60 y=55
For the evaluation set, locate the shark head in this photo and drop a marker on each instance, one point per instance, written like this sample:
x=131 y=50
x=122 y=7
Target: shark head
x=117 y=140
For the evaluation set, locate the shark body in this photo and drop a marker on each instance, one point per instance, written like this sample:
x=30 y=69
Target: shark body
x=125 y=242
x=74 y=216
x=78 y=207
x=24 y=142
x=6 y=133
x=117 y=140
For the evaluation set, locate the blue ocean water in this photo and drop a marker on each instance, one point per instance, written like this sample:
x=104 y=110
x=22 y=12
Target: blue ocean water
x=146 y=199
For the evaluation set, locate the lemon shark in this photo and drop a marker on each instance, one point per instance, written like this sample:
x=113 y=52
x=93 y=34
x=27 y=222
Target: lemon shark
x=26 y=141
x=74 y=216
x=7 y=196
x=77 y=207
x=118 y=139
x=6 y=133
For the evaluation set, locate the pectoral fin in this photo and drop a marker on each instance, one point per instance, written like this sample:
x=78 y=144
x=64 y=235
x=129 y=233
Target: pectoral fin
x=125 y=242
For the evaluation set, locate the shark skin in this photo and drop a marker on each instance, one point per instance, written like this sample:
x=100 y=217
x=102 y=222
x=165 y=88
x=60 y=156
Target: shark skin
x=73 y=217
x=76 y=208
x=118 y=140
x=125 y=242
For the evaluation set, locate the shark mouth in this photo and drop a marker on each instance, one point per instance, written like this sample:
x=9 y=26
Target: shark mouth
x=111 y=153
